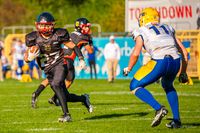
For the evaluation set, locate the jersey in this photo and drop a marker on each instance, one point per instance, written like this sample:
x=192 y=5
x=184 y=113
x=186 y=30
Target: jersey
x=79 y=40
x=51 y=52
x=158 y=40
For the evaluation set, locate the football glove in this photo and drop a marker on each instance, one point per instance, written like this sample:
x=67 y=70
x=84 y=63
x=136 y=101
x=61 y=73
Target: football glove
x=82 y=64
x=183 y=78
x=126 y=71
x=32 y=56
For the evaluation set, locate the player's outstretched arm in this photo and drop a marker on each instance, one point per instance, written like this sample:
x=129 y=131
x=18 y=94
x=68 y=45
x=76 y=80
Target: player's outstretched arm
x=183 y=78
x=134 y=55
x=184 y=54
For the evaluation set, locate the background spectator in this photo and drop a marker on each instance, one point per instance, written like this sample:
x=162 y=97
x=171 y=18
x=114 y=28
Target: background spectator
x=112 y=56
x=92 y=61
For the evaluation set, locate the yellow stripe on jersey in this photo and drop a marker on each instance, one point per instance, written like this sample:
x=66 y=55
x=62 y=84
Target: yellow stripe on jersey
x=145 y=70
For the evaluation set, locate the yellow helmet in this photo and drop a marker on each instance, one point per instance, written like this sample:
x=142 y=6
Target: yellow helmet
x=148 y=15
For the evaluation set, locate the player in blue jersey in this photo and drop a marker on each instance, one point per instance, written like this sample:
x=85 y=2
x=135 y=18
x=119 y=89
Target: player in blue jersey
x=160 y=42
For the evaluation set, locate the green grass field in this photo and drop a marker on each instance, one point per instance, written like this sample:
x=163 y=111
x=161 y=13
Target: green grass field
x=115 y=109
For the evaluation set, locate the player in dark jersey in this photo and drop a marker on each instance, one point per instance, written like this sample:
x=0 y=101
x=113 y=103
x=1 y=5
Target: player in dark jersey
x=49 y=41
x=81 y=38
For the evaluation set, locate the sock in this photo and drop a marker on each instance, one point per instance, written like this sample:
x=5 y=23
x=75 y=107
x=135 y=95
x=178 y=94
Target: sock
x=41 y=87
x=147 y=97
x=173 y=102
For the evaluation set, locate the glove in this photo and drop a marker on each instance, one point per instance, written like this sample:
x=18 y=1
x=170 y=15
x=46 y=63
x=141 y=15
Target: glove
x=82 y=64
x=183 y=78
x=32 y=56
x=126 y=71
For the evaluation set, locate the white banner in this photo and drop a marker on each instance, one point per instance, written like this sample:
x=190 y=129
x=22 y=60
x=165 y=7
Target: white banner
x=181 y=14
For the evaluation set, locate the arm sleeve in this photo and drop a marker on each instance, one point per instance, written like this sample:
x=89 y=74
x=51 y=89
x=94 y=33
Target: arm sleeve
x=78 y=53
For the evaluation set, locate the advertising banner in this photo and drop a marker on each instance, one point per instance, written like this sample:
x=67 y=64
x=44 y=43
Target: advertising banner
x=181 y=14
x=126 y=45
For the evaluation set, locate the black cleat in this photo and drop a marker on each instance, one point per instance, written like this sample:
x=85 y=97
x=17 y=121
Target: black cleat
x=34 y=100
x=174 y=124
x=158 y=116
x=87 y=103
x=54 y=101
x=65 y=118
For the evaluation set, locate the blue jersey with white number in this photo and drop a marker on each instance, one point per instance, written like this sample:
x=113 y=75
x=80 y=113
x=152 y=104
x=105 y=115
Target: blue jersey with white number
x=158 y=40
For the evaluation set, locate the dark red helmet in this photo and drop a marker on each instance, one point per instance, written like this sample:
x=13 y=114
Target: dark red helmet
x=45 y=23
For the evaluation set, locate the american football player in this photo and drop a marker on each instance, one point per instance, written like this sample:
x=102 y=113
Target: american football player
x=81 y=38
x=50 y=57
x=160 y=42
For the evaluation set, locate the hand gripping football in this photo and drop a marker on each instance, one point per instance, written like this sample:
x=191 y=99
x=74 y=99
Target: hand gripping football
x=31 y=53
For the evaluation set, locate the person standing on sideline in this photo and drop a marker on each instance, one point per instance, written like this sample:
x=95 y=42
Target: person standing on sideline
x=160 y=42
x=92 y=61
x=112 y=56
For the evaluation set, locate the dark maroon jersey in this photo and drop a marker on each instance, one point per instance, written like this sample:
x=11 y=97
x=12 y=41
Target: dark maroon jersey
x=79 y=40
x=51 y=52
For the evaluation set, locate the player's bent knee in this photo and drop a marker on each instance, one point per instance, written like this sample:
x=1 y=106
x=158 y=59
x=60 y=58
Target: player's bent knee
x=134 y=85
x=167 y=86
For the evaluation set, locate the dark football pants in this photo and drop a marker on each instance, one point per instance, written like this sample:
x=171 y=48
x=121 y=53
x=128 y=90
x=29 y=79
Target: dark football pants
x=70 y=75
x=56 y=77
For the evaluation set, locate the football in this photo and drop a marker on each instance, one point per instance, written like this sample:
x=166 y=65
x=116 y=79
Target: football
x=33 y=49
x=31 y=53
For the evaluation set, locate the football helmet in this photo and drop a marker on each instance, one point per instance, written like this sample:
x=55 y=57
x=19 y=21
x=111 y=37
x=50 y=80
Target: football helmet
x=45 y=23
x=148 y=15
x=82 y=25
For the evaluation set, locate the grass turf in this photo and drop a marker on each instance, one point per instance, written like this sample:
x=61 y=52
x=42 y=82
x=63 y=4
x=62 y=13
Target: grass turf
x=115 y=109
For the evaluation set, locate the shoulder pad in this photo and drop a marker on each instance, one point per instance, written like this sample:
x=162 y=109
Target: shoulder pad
x=62 y=34
x=77 y=37
x=30 y=39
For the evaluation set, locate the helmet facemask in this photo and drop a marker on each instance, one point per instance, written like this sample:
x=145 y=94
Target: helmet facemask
x=85 y=28
x=45 y=28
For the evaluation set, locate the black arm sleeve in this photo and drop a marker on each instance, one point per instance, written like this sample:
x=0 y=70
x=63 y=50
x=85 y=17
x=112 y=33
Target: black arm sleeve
x=78 y=53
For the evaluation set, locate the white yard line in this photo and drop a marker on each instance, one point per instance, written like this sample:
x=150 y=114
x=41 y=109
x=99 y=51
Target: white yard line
x=98 y=120
x=44 y=129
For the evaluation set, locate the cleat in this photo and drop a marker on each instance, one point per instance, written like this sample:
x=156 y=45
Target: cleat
x=174 y=124
x=53 y=101
x=65 y=118
x=87 y=103
x=34 y=100
x=158 y=116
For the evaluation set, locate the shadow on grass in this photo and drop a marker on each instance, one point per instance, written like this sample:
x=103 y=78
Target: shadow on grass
x=116 y=115
x=117 y=103
x=188 y=125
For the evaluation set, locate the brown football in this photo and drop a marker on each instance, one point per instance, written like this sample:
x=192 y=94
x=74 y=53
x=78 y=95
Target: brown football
x=34 y=49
